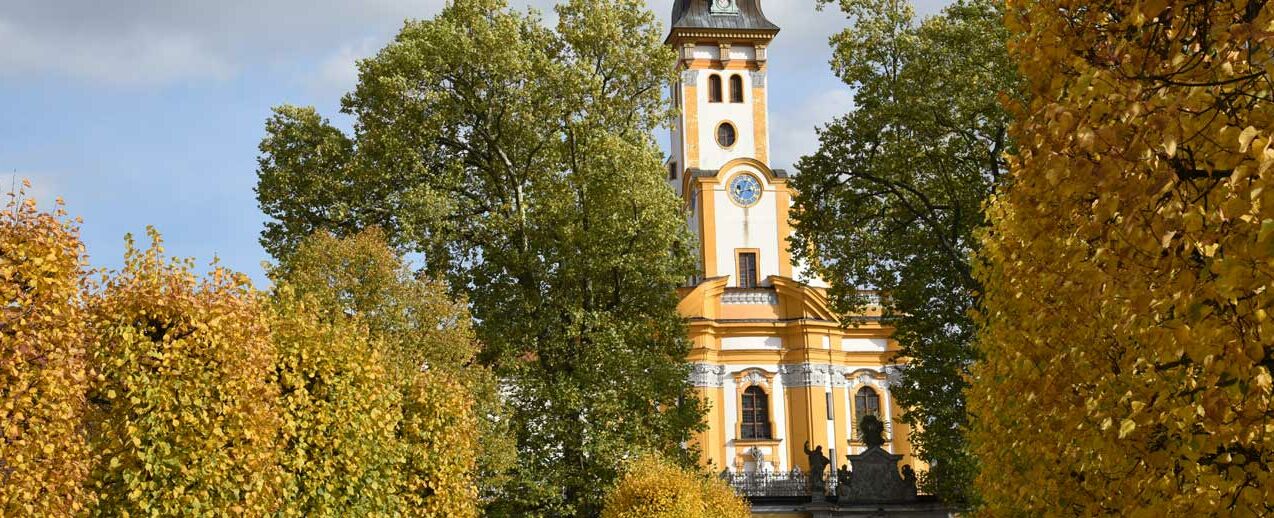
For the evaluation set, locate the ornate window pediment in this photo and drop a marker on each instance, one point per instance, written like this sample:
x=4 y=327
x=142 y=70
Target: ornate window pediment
x=724 y=7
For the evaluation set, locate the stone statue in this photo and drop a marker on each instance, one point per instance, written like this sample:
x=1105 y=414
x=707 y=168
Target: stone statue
x=818 y=466
x=872 y=431
x=876 y=477
x=843 y=475
x=909 y=477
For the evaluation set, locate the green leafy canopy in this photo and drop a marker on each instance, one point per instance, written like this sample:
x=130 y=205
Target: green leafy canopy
x=895 y=192
x=518 y=160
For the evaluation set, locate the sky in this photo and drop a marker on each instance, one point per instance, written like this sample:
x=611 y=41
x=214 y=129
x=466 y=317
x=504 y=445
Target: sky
x=149 y=112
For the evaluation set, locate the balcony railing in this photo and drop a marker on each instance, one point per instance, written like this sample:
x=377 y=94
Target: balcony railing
x=763 y=484
x=750 y=296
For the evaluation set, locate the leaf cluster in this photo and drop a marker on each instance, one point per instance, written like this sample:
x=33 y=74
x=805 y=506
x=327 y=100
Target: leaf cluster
x=44 y=455
x=654 y=487
x=1126 y=326
x=184 y=416
x=155 y=391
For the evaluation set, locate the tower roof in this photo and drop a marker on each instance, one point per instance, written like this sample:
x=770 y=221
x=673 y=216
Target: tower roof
x=737 y=15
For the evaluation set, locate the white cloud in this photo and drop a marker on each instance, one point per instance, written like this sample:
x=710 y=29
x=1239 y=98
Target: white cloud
x=157 y=42
x=794 y=133
x=338 y=73
x=141 y=55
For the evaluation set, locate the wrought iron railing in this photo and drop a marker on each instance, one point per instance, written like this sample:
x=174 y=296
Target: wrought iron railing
x=753 y=484
x=778 y=484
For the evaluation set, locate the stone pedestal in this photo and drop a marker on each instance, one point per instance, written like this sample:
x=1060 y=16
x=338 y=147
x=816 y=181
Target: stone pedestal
x=875 y=479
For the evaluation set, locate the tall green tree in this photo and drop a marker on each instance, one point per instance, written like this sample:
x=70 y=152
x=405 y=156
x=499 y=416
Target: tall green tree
x=893 y=196
x=519 y=160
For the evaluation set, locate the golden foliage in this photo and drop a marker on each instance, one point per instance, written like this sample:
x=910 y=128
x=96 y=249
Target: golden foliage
x=440 y=448
x=361 y=275
x=44 y=457
x=339 y=409
x=185 y=412
x=653 y=487
x=406 y=343
x=1127 y=337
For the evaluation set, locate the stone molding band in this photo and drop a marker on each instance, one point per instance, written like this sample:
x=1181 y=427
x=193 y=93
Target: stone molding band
x=800 y=375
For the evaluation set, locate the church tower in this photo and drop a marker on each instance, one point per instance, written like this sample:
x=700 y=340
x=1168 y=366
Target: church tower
x=775 y=365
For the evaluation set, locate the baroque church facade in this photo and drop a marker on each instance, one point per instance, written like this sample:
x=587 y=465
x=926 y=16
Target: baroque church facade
x=776 y=366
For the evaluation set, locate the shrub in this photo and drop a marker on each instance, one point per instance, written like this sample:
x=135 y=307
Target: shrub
x=653 y=487
x=44 y=456
x=339 y=410
x=184 y=420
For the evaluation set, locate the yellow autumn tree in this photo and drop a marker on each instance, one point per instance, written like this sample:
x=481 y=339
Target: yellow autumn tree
x=339 y=408
x=44 y=457
x=1126 y=335
x=653 y=487
x=185 y=414
x=439 y=441
x=448 y=436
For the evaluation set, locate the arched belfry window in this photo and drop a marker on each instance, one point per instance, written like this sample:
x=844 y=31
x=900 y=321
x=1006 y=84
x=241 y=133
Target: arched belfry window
x=736 y=88
x=756 y=414
x=866 y=402
x=714 y=88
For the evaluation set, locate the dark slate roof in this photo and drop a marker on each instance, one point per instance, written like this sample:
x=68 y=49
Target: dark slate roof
x=695 y=14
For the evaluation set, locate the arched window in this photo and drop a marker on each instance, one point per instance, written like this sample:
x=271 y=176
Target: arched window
x=736 y=88
x=714 y=88
x=756 y=414
x=866 y=402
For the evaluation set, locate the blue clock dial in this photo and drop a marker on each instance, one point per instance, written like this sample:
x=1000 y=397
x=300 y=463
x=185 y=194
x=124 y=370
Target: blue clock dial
x=745 y=190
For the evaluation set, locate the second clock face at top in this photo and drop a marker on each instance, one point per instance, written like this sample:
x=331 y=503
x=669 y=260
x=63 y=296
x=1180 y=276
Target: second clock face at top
x=745 y=190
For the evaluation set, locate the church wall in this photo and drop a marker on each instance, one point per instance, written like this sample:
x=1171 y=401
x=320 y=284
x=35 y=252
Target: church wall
x=711 y=114
x=746 y=228
x=864 y=344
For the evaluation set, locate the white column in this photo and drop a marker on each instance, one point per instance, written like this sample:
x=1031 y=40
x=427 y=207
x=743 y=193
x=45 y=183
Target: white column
x=777 y=401
x=886 y=400
x=730 y=392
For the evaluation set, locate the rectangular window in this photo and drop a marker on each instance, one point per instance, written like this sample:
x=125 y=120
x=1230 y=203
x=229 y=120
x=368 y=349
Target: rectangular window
x=756 y=414
x=747 y=270
x=831 y=412
x=672 y=170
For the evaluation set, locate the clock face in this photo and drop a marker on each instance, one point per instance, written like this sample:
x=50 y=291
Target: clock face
x=745 y=190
